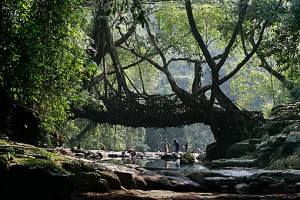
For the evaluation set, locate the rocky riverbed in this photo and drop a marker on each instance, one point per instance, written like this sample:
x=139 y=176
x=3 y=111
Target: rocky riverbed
x=37 y=173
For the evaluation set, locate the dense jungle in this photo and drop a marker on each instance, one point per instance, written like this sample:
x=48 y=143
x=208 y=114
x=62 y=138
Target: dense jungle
x=115 y=75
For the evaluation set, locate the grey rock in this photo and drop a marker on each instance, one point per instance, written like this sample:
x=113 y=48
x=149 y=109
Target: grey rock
x=242 y=188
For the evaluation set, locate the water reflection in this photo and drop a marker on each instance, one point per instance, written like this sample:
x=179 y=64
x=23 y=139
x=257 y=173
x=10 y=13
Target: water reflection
x=160 y=164
x=166 y=164
x=150 y=160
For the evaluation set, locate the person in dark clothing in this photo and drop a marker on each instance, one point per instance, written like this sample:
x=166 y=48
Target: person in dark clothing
x=176 y=144
x=132 y=152
x=186 y=146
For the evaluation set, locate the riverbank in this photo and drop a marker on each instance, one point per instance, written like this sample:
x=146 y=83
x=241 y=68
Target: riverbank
x=168 y=195
x=28 y=172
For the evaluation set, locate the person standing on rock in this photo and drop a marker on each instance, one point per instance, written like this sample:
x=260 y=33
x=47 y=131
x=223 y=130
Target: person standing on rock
x=166 y=147
x=186 y=146
x=176 y=144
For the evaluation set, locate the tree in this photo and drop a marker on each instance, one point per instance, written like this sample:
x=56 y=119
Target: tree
x=43 y=61
x=208 y=104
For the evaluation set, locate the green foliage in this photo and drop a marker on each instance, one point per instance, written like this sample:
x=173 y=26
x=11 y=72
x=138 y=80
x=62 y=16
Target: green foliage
x=281 y=45
x=31 y=157
x=42 y=52
x=187 y=158
x=295 y=11
x=174 y=30
x=254 y=88
x=104 y=137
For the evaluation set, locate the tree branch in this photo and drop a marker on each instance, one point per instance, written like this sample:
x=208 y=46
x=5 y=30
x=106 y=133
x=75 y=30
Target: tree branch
x=152 y=39
x=243 y=9
x=127 y=35
x=247 y=58
x=211 y=63
x=152 y=62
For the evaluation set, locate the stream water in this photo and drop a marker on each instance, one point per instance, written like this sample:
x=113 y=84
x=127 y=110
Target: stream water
x=147 y=160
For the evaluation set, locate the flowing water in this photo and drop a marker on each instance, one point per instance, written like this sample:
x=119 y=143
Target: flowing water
x=147 y=160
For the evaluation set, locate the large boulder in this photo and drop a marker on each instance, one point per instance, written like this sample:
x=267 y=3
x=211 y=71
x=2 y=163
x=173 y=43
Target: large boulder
x=238 y=149
x=38 y=182
x=127 y=179
x=112 y=179
x=216 y=151
x=291 y=143
x=90 y=182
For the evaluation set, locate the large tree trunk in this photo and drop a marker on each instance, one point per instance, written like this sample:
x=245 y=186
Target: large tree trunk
x=229 y=127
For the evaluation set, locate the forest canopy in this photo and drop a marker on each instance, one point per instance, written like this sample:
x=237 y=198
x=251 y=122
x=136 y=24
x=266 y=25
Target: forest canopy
x=141 y=63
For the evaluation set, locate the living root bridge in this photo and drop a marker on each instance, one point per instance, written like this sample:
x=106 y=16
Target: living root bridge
x=163 y=114
x=141 y=115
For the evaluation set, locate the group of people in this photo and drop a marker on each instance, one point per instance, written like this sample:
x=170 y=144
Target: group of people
x=176 y=144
